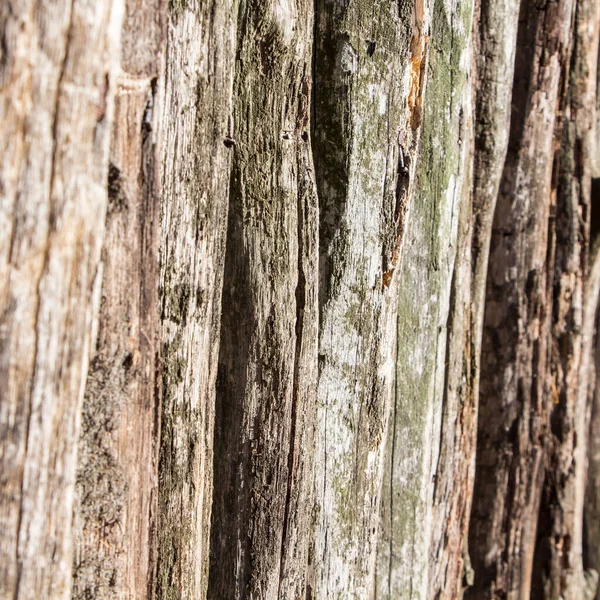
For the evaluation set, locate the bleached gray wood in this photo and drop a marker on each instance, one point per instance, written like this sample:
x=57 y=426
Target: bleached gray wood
x=426 y=280
x=194 y=175
x=370 y=60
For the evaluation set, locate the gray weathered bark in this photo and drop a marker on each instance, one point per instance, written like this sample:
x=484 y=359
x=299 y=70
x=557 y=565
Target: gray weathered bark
x=267 y=362
x=195 y=165
x=292 y=360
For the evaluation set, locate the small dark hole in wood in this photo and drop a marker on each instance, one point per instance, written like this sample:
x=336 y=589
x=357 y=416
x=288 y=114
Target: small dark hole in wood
x=128 y=361
x=229 y=142
x=305 y=136
x=370 y=48
x=286 y=136
x=117 y=197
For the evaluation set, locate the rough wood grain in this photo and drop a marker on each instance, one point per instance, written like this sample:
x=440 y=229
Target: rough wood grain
x=115 y=553
x=370 y=62
x=484 y=137
x=425 y=279
x=595 y=150
x=515 y=397
x=352 y=290
x=560 y=535
x=56 y=71
x=267 y=363
x=454 y=411
x=195 y=170
x=592 y=493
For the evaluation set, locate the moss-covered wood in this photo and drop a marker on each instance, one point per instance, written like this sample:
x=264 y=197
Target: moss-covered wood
x=370 y=62
x=427 y=276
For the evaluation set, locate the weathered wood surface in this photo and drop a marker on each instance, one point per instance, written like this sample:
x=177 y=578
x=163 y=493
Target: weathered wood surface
x=56 y=85
x=560 y=535
x=425 y=277
x=333 y=403
x=592 y=492
x=115 y=517
x=454 y=406
x=195 y=170
x=596 y=138
x=485 y=137
x=515 y=393
x=268 y=361
x=370 y=62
